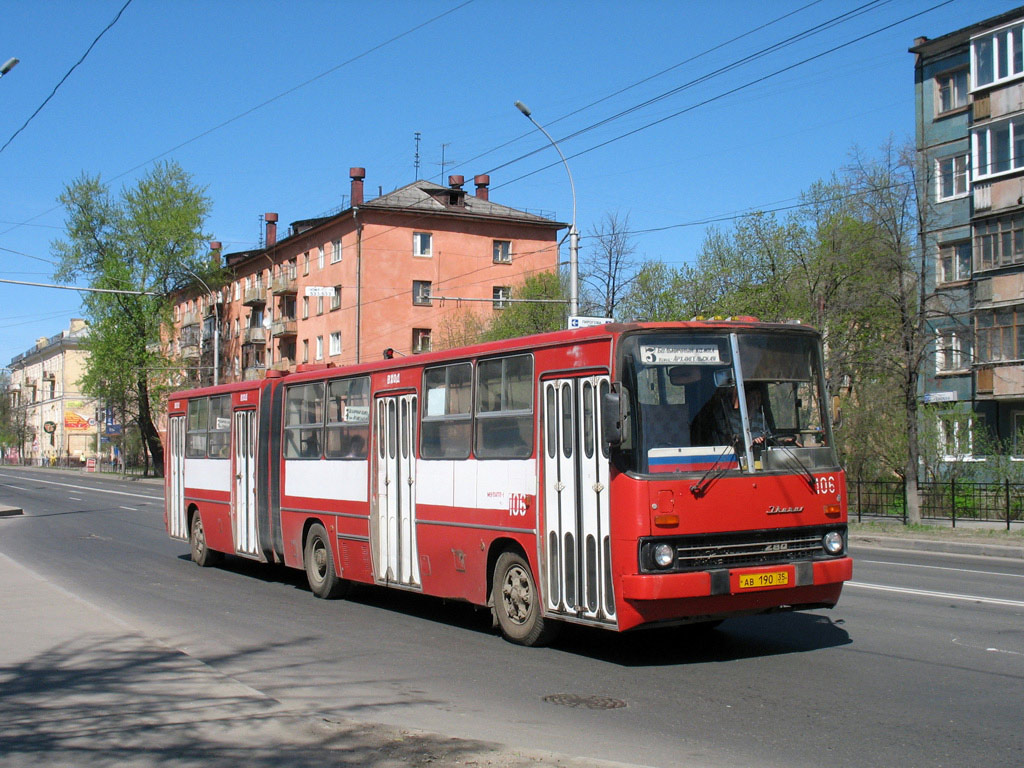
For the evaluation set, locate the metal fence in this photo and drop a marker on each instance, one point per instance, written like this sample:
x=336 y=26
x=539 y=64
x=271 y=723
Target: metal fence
x=949 y=501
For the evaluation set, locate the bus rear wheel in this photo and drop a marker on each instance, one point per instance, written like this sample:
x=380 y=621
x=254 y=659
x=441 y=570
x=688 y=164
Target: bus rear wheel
x=323 y=581
x=516 y=603
x=202 y=555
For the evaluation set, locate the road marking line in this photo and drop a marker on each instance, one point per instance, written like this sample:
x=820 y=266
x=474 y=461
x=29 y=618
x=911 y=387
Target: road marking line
x=8 y=485
x=133 y=509
x=940 y=595
x=85 y=488
x=942 y=568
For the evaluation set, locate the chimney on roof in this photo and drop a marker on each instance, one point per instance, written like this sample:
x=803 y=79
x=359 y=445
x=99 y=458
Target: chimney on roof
x=456 y=182
x=482 y=182
x=920 y=40
x=357 y=174
x=271 y=219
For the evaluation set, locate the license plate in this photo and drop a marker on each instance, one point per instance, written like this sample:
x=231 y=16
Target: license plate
x=763 y=580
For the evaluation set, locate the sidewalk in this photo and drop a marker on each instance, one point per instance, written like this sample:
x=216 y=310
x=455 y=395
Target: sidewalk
x=80 y=688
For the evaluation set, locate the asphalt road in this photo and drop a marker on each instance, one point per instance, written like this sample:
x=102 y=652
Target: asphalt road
x=921 y=664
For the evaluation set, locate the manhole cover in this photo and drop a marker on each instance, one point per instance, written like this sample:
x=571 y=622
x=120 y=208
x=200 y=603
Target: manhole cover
x=584 y=702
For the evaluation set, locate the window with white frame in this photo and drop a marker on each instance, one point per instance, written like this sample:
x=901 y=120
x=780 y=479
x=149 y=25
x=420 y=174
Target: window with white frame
x=1000 y=241
x=998 y=148
x=998 y=55
x=422 y=244
x=502 y=251
x=305 y=263
x=334 y=342
x=319 y=305
x=951 y=177
x=336 y=298
x=951 y=350
x=950 y=91
x=320 y=257
x=420 y=340
x=305 y=350
x=335 y=251
x=319 y=347
x=500 y=294
x=305 y=307
x=956 y=435
x=954 y=262
x=421 y=293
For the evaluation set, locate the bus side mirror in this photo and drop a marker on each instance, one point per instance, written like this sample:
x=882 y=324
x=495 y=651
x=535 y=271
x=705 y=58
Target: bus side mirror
x=837 y=412
x=612 y=418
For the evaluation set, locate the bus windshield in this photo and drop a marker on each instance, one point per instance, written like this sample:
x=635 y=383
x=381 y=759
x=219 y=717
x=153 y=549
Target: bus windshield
x=742 y=401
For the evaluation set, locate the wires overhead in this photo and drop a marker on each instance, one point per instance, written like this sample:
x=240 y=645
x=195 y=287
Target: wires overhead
x=66 y=75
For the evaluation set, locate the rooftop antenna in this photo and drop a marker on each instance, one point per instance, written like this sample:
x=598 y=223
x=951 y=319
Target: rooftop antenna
x=444 y=162
x=262 y=227
x=416 y=158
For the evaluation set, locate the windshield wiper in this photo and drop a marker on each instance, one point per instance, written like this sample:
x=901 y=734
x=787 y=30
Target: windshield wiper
x=705 y=482
x=808 y=475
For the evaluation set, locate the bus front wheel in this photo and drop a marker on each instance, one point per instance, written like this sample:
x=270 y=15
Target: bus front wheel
x=320 y=574
x=516 y=603
x=202 y=555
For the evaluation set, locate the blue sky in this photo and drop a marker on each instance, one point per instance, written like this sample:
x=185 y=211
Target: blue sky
x=349 y=84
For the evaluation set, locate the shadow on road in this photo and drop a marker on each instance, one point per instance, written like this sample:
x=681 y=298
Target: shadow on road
x=121 y=701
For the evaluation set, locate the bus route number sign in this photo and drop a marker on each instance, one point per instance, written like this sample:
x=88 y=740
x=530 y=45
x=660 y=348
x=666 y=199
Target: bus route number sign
x=680 y=354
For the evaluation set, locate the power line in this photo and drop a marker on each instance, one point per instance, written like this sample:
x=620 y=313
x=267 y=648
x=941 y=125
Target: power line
x=721 y=95
x=73 y=68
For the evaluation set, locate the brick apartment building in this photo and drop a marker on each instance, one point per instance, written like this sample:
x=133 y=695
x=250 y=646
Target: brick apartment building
x=394 y=272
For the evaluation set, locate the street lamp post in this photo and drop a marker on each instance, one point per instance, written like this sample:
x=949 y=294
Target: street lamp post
x=216 y=327
x=8 y=65
x=574 y=238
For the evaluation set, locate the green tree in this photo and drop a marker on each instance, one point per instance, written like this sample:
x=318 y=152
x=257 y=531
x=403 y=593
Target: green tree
x=546 y=313
x=147 y=241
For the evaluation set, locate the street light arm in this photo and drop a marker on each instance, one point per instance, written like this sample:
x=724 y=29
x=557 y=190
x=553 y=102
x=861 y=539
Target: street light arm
x=574 y=238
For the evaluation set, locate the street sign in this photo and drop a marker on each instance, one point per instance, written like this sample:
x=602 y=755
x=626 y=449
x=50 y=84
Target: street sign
x=581 y=321
x=320 y=290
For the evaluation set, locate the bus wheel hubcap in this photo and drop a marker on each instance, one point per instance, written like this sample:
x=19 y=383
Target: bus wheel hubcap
x=517 y=595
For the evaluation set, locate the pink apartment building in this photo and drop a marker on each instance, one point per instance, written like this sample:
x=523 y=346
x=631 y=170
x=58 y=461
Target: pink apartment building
x=394 y=272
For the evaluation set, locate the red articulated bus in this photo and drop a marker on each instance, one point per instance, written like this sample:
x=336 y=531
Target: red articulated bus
x=618 y=476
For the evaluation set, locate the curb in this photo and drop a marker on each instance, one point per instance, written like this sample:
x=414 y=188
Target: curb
x=6 y=511
x=949 y=547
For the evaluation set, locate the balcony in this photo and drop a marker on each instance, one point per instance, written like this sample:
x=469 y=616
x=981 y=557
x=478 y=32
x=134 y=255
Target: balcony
x=283 y=328
x=254 y=335
x=190 y=350
x=982 y=196
x=255 y=373
x=284 y=285
x=254 y=296
x=284 y=364
x=189 y=319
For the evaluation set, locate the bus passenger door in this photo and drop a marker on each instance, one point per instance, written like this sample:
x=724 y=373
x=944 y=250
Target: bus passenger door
x=394 y=531
x=576 y=516
x=177 y=524
x=243 y=454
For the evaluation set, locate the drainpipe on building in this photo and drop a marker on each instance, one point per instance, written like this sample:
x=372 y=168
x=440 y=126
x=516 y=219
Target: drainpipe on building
x=359 y=282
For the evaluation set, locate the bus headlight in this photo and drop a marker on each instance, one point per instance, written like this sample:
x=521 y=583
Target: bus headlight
x=833 y=542
x=664 y=555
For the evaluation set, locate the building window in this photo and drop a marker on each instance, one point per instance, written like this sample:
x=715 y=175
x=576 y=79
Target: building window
x=319 y=347
x=319 y=305
x=999 y=242
x=420 y=340
x=951 y=351
x=305 y=263
x=335 y=251
x=951 y=177
x=422 y=244
x=421 y=293
x=320 y=257
x=335 y=343
x=1000 y=334
x=502 y=251
x=305 y=307
x=951 y=91
x=336 y=298
x=998 y=148
x=955 y=262
x=956 y=435
x=998 y=55
x=305 y=350
x=500 y=294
